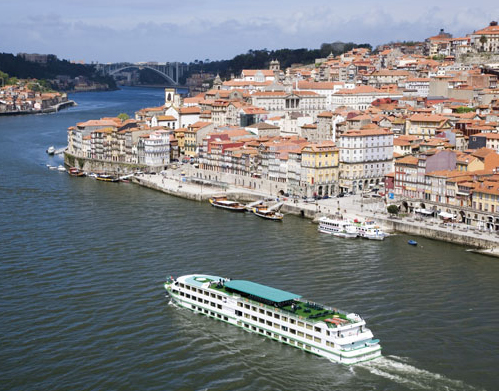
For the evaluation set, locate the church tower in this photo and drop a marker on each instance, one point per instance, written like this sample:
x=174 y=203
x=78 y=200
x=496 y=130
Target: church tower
x=217 y=83
x=172 y=98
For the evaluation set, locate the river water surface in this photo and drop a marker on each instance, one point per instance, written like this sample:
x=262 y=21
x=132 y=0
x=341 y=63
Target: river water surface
x=82 y=304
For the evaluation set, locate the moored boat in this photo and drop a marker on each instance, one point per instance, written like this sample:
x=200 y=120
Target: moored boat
x=267 y=213
x=73 y=171
x=412 y=242
x=337 y=335
x=370 y=230
x=106 y=178
x=223 y=202
x=51 y=150
x=340 y=228
x=61 y=168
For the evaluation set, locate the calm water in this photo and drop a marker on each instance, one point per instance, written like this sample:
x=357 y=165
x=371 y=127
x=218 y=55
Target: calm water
x=82 y=304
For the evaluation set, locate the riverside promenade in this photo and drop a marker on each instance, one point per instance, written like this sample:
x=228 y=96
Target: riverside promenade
x=182 y=183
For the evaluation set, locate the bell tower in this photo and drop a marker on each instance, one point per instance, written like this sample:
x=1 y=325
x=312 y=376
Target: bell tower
x=172 y=98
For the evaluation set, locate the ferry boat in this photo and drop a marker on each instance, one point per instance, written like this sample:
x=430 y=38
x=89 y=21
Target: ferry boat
x=370 y=230
x=340 y=228
x=267 y=213
x=282 y=316
x=223 y=202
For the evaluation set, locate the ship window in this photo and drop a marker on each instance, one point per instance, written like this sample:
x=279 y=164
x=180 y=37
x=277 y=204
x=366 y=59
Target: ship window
x=253 y=308
x=239 y=304
x=246 y=325
x=308 y=336
x=284 y=339
x=253 y=328
x=213 y=304
x=225 y=318
x=219 y=297
x=269 y=333
x=247 y=306
x=276 y=335
x=213 y=295
x=277 y=326
x=205 y=311
x=181 y=293
x=317 y=339
x=285 y=318
x=187 y=295
x=328 y=333
x=308 y=347
x=206 y=301
x=328 y=343
x=318 y=329
x=300 y=334
x=262 y=311
x=269 y=323
x=239 y=313
x=269 y=313
x=260 y=330
x=212 y=313
x=219 y=306
x=284 y=328
x=309 y=326
x=292 y=321
x=194 y=289
x=253 y=318
x=299 y=344
x=182 y=285
x=193 y=307
x=300 y=324
x=276 y=316
x=261 y=320
x=292 y=331
x=220 y=317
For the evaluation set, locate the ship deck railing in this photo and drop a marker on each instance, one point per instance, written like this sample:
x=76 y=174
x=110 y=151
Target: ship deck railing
x=307 y=311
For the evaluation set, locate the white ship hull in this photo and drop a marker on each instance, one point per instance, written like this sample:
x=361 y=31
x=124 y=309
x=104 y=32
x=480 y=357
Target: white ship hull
x=343 y=338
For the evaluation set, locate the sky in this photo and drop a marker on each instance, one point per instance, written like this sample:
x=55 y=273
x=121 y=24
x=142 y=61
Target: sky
x=187 y=30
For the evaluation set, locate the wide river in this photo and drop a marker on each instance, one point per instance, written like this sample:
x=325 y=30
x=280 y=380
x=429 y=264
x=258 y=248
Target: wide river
x=82 y=304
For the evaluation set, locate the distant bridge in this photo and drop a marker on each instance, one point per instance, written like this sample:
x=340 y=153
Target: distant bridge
x=171 y=71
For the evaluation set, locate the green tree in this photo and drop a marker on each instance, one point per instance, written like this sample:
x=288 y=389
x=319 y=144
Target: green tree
x=123 y=117
x=392 y=209
x=483 y=41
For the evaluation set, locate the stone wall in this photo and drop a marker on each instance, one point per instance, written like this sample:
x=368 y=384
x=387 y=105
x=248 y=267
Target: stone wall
x=95 y=165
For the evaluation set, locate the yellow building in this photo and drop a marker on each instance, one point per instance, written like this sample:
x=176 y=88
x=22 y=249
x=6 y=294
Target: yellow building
x=320 y=168
x=180 y=137
x=425 y=126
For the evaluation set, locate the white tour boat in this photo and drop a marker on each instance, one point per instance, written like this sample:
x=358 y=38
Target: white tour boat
x=341 y=228
x=370 y=230
x=283 y=316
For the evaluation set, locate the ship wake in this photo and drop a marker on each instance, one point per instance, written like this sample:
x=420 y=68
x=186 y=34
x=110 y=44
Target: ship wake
x=398 y=370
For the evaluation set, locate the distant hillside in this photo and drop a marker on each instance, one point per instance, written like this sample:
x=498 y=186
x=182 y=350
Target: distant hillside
x=260 y=59
x=17 y=66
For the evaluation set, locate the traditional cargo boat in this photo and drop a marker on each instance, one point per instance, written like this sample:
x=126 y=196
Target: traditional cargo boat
x=73 y=171
x=269 y=213
x=340 y=228
x=106 y=178
x=223 y=202
x=283 y=316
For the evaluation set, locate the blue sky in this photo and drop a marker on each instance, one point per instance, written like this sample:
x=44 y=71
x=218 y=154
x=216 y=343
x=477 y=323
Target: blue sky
x=164 y=30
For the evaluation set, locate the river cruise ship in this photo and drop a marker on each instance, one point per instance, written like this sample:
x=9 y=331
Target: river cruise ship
x=282 y=316
x=341 y=228
x=370 y=230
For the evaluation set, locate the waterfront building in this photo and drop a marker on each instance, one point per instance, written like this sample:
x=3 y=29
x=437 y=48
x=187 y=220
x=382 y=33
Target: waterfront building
x=365 y=157
x=153 y=149
x=320 y=168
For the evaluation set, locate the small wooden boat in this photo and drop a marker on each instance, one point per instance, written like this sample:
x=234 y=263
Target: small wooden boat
x=223 y=202
x=268 y=213
x=73 y=171
x=412 y=242
x=106 y=178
